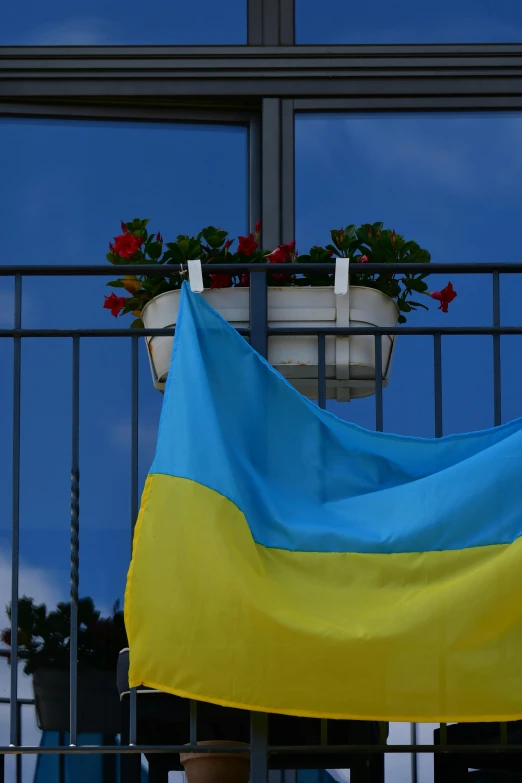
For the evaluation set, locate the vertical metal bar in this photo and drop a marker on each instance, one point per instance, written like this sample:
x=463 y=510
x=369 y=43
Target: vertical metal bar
x=258 y=747
x=287 y=170
x=134 y=499
x=271 y=172
x=19 y=743
x=443 y=734
x=287 y=22
x=255 y=22
x=497 y=388
x=271 y=32
x=254 y=172
x=75 y=539
x=61 y=759
x=15 y=530
x=324 y=731
x=437 y=376
x=321 y=371
x=258 y=313
x=193 y=722
x=379 y=416
x=2 y=768
x=413 y=740
x=133 y=726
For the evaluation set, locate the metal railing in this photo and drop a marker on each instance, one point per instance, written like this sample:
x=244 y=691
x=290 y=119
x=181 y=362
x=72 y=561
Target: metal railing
x=263 y=754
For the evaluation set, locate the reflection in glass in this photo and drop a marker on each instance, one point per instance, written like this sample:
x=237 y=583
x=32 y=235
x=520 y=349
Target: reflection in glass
x=409 y=21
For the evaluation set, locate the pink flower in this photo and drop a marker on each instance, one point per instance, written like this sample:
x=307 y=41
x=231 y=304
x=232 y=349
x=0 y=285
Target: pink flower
x=445 y=296
x=363 y=260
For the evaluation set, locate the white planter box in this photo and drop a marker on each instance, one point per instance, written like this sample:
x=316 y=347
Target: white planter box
x=350 y=361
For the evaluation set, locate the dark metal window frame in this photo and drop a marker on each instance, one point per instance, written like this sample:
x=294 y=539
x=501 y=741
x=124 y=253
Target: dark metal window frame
x=262 y=86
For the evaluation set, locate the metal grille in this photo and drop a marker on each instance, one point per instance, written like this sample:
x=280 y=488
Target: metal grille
x=503 y=742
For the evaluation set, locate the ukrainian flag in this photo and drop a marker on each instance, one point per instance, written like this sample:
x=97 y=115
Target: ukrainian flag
x=287 y=561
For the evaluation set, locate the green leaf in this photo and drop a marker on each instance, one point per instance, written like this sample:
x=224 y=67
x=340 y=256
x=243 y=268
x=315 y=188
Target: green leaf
x=137 y=324
x=115 y=284
x=401 y=319
x=403 y=305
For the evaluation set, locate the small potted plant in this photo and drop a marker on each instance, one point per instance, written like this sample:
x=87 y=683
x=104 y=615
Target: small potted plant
x=296 y=297
x=44 y=646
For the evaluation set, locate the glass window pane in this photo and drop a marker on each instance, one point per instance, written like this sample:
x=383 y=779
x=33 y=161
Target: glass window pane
x=409 y=21
x=120 y=22
x=452 y=184
x=65 y=187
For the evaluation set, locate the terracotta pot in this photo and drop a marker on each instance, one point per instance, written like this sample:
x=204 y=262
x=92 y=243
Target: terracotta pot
x=217 y=767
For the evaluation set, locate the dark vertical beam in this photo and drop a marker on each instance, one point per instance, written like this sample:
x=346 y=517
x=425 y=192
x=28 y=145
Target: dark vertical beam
x=15 y=525
x=254 y=172
x=193 y=722
x=134 y=491
x=271 y=172
x=413 y=740
x=287 y=170
x=437 y=375
x=75 y=539
x=321 y=397
x=497 y=383
x=271 y=22
x=19 y=743
x=258 y=747
x=379 y=415
x=255 y=22
x=287 y=22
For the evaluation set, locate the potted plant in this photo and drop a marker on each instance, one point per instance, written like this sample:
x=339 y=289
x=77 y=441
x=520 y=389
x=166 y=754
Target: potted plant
x=296 y=297
x=44 y=646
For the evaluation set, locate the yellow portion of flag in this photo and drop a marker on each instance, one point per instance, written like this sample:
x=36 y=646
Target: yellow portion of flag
x=211 y=615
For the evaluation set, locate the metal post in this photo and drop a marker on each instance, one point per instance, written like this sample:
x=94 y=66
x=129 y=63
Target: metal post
x=75 y=539
x=258 y=747
x=321 y=371
x=15 y=530
x=437 y=375
x=379 y=415
x=413 y=740
x=497 y=387
x=19 y=743
x=134 y=498
x=193 y=722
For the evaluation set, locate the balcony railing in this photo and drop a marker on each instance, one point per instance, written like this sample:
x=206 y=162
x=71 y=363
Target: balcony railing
x=453 y=751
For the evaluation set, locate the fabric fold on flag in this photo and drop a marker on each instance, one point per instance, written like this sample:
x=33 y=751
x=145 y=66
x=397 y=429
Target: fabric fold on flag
x=288 y=561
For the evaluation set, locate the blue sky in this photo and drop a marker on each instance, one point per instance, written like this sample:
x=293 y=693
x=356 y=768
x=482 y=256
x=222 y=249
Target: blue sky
x=409 y=21
x=119 y=22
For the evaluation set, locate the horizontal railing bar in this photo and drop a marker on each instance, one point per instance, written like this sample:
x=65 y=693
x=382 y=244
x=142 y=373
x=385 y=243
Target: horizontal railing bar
x=4 y=700
x=274 y=750
x=273 y=331
x=55 y=270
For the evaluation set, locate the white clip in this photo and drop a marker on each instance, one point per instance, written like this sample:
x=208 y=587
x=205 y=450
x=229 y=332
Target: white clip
x=195 y=276
x=342 y=268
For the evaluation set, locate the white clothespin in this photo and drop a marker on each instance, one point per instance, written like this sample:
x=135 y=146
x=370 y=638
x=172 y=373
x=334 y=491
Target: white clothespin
x=195 y=275
x=342 y=269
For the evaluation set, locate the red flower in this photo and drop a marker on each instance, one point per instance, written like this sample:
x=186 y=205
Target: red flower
x=220 y=280
x=227 y=245
x=363 y=260
x=159 y=238
x=126 y=245
x=115 y=303
x=245 y=279
x=281 y=255
x=445 y=296
x=123 y=227
x=257 y=229
x=247 y=245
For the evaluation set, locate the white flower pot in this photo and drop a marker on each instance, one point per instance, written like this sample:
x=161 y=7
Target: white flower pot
x=350 y=361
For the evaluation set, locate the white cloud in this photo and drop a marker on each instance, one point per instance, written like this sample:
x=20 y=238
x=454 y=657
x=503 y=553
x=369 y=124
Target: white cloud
x=79 y=31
